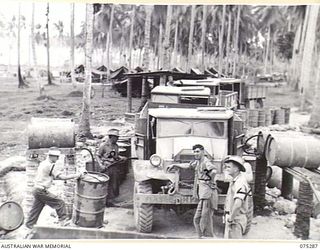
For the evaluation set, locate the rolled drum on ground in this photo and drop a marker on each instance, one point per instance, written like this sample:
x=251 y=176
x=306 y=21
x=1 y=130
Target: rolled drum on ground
x=299 y=151
x=51 y=132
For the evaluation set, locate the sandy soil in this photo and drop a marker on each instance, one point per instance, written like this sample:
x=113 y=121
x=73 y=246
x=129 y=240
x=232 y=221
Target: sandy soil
x=17 y=106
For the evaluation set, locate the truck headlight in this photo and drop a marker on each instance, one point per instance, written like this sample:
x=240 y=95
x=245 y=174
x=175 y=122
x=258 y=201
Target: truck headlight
x=155 y=160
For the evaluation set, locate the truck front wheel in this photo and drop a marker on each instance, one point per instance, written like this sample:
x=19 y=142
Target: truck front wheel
x=143 y=213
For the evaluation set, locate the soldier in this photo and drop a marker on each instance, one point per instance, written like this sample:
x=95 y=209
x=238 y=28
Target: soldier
x=108 y=157
x=205 y=190
x=170 y=82
x=236 y=206
x=47 y=172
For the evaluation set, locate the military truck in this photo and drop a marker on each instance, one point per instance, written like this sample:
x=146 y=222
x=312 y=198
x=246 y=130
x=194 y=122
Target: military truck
x=165 y=136
x=191 y=96
x=249 y=95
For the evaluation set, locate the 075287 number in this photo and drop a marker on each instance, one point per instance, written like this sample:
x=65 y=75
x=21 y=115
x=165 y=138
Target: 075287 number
x=309 y=245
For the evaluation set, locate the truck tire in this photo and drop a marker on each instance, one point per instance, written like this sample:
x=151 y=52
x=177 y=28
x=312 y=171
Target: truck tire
x=143 y=213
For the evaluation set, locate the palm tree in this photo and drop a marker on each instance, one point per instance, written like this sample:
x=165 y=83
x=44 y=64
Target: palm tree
x=236 y=43
x=109 y=40
x=166 y=63
x=159 y=47
x=228 y=39
x=191 y=31
x=145 y=64
x=133 y=13
x=48 y=48
x=60 y=28
x=306 y=64
x=221 y=39
x=300 y=14
x=33 y=46
x=203 y=35
x=176 y=33
x=159 y=18
x=314 y=120
x=73 y=80
x=84 y=125
x=271 y=20
x=21 y=82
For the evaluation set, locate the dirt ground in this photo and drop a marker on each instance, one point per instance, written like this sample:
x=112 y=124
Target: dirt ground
x=17 y=106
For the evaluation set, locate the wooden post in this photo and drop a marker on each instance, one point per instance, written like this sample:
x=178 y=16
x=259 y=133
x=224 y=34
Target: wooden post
x=286 y=185
x=304 y=211
x=144 y=91
x=129 y=95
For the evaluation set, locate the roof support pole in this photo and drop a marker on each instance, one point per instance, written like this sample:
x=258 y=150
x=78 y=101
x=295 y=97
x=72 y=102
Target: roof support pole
x=129 y=95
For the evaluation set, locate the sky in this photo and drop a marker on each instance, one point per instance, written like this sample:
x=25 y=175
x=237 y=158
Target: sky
x=58 y=12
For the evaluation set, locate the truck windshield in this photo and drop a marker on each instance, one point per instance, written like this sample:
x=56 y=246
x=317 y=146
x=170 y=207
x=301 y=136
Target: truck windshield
x=169 y=128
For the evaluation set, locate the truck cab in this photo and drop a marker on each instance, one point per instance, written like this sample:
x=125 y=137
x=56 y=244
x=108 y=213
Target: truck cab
x=165 y=136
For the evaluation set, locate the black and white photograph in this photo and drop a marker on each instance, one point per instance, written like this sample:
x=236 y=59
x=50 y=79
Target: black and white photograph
x=159 y=121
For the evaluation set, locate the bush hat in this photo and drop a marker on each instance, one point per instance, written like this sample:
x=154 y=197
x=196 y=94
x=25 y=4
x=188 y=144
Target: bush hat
x=54 y=152
x=239 y=162
x=113 y=131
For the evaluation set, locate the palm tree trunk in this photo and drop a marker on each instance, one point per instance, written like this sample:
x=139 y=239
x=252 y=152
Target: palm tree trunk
x=315 y=114
x=147 y=29
x=73 y=80
x=221 y=40
x=306 y=67
x=175 y=43
x=146 y=59
x=271 y=54
x=131 y=35
x=33 y=47
x=48 y=47
x=166 y=46
x=191 y=31
x=293 y=71
x=267 y=50
x=159 y=61
x=108 y=45
x=236 y=44
x=228 y=41
x=84 y=126
x=21 y=83
x=203 y=36
x=109 y=40
x=140 y=57
x=302 y=42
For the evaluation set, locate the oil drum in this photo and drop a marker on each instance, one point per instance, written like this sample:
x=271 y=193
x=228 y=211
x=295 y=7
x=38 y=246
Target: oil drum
x=299 y=151
x=11 y=216
x=51 y=132
x=90 y=200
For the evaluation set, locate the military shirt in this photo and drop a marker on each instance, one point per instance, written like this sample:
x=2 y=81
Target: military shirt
x=106 y=148
x=238 y=189
x=204 y=178
x=43 y=178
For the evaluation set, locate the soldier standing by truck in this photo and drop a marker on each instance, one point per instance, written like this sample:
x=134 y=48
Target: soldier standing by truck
x=236 y=206
x=108 y=157
x=205 y=190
